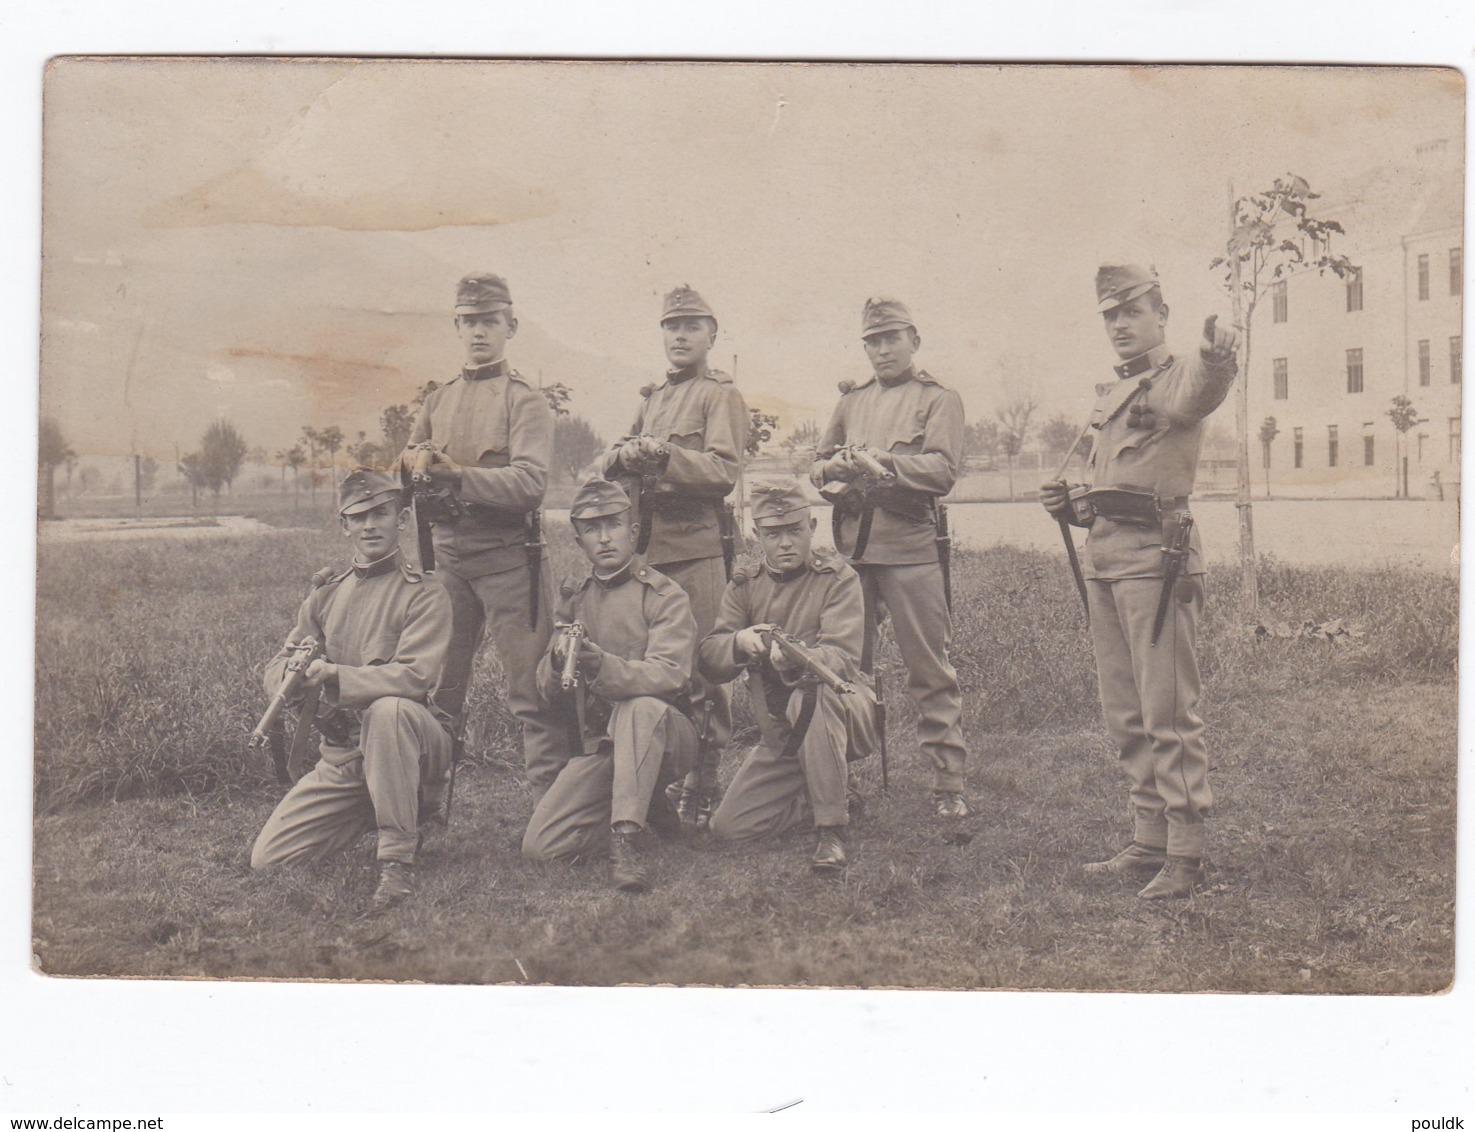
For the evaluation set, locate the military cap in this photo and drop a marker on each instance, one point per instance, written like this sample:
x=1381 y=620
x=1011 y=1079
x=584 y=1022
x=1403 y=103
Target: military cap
x=597 y=497
x=882 y=314
x=776 y=502
x=364 y=488
x=1120 y=283
x=683 y=302
x=482 y=292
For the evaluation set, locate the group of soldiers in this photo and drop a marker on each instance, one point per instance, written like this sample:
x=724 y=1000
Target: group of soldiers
x=621 y=685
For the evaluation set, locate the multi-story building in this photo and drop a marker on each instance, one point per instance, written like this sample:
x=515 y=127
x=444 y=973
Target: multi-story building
x=1331 y=354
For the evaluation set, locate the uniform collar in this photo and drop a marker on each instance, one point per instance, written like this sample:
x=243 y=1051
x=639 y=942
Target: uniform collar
x=783 y=576
x=390 y=561
x=1156 y=357
x=685 y=373
x=481 y=373
x=902 y=378
x=617 y=579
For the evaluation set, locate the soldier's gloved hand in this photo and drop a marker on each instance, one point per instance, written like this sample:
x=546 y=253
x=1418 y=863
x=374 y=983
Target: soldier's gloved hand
x=591 y=658
x=749 y=641
x=1220 y=344
x=1055 y=495
x=319 y=672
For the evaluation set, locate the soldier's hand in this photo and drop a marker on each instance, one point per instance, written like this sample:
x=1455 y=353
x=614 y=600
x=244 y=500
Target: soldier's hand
x=749 y=641
x=838 y=468
x=1055 y=495
x=444 y=471
x=319 y=672
x=1220 y=343
x=591 y=658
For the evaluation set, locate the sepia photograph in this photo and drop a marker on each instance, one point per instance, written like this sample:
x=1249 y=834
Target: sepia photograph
x=738 y=524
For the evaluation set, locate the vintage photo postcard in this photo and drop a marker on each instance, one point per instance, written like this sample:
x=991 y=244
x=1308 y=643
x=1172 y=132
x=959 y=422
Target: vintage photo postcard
x=738 y=524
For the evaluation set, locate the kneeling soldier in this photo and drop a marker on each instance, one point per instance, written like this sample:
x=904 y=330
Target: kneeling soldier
x=624 y=661
x=814 y=708
x=383 y=632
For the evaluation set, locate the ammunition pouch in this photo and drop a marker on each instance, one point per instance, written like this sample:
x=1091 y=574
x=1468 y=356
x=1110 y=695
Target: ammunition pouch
x=336 y=726
x=499 y=518
x=682 y=506
x=1132 y=506
x=859 y=496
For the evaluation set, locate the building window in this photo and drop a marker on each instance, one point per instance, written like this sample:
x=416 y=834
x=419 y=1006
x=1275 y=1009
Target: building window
x=1331 y=446
x=1354 y=289
x=1280 y=306
x=1282 y=380
x=1367 y=450
x=1456 y=270
x=1423 y=361
x=1456 y=359
x=1454 y=440
x=1354 y=371
x=1300 y=447
x=1423 y=277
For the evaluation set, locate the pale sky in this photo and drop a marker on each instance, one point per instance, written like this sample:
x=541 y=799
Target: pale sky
x=278 y=242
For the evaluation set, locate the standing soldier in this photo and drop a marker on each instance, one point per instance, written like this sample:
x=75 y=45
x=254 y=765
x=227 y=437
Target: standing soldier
x=1143 y=598
x=622 y=666
x=381 y=634
x=891 y=450
x=490 y=436
x=812 y=722
x=679 y=463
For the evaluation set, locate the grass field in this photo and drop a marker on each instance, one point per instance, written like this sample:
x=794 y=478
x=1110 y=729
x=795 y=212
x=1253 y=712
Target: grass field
x=1332 y=848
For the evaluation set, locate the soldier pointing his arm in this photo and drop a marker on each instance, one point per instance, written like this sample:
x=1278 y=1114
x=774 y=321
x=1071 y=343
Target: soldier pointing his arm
x=1148 y=428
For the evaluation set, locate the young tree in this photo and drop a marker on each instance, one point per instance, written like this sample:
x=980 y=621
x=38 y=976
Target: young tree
x=222 y=450
x=558 y=396
x=51 y=449
x=1268 y=432
x=192 y=467
x=1013 y=417
x=148 y=471
x=1257 y=257
x=1057 y=435
x=366 y=453
x=575 y=445
x=801 y=445
x=395 y=423
x=760 y=430
x=982 y=438
x=313 y=441
x=1404 y=416
x=331 y=438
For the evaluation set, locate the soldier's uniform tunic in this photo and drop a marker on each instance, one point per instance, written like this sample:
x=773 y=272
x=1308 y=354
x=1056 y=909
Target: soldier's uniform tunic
x=920 y=423
x=387 y=630
x=500 y=429
x=634 y=734
x=703 y=421
x=821 y=604
x=1149 y=695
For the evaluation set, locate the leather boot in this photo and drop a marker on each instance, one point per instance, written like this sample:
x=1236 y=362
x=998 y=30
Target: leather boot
x=1135 y=858
x=627 y=873
x=396 y=885
x=829 y=852
x=1178 y=878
